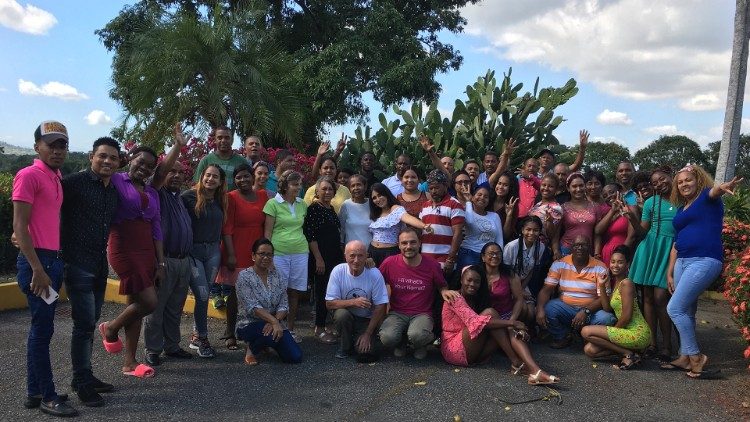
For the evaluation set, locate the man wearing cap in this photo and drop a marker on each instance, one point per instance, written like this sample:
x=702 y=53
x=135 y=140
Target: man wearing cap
x=37 y=198
x=86 y=215
x=446 y=217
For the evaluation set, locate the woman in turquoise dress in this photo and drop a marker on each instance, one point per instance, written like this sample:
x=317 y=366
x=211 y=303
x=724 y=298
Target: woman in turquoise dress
x=631 y=334
x=649 y=269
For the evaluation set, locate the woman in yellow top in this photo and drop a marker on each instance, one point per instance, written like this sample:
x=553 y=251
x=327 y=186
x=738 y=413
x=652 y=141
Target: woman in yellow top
x=326 y=167
x=631 y=334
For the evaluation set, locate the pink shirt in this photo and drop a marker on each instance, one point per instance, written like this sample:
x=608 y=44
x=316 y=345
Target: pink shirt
x=412 y=288
x=577 y=222
x=40 y=186
x=527 y=191
x=501 y=295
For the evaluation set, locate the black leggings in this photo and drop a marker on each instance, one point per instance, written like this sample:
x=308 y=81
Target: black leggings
x=380 y=254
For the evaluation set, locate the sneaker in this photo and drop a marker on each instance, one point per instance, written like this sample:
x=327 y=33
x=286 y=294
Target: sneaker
x=205 y=350
x=32 y=402
x=218 y=302
x=58 y=408
x=101 y=386
x=399 y=352
x=420 y=353
x=179 y=354
x=437 y=342
x=195 y=342
x=89 y=397
x=153 y=359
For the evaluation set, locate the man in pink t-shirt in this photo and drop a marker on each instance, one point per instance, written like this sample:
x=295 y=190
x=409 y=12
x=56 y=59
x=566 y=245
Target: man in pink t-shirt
x=37 y=198
x=412 y=280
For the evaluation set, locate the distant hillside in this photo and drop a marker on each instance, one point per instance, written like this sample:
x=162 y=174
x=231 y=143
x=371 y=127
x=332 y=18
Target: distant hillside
x=14 y=150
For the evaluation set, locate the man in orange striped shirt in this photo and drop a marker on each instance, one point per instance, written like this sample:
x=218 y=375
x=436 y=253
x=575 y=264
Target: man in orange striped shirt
x=578 y=304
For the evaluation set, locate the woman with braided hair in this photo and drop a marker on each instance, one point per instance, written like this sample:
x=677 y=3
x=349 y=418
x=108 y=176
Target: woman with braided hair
x=651 y=260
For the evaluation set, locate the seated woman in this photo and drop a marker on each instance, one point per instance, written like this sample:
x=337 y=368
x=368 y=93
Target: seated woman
x=472 y=330
x=507 y=294
x=262 y=308
x=528 y=257
x=631 y=333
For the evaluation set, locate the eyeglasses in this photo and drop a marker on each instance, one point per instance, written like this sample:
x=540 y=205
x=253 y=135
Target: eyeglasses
x=264 y=254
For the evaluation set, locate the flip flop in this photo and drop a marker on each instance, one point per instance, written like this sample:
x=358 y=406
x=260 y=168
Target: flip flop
x=672 y=367
x=706 y=374
x=141 y=371
x=112 y=347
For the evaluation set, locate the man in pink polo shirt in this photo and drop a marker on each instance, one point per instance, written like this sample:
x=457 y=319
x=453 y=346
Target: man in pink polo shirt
x=412 y=280
x=528 y=186
x=37 y=198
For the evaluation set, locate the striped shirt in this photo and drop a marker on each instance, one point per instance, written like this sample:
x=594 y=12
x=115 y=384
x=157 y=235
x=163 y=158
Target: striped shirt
x=576 y=288
x=441 y=217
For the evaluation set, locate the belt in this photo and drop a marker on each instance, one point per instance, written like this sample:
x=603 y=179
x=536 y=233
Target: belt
x=177 y=255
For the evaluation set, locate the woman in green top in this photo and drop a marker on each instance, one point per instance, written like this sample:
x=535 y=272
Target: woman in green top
x=285 y=214
x=651 y=260
x=631 y=333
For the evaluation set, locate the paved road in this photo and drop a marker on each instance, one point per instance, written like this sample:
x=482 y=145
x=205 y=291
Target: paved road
x=325 y=388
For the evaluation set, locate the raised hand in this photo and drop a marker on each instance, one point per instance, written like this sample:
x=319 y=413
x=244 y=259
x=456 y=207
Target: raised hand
x=425 y=143
x=179 y=138
x=510 y=206
x=510 y=146
x=602 y=280
x=341 y=145
x=324 y=147
x=583 y=138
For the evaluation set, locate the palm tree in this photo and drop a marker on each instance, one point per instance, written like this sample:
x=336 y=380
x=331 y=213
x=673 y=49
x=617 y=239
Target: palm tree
x=220 y=68
x=733 y=116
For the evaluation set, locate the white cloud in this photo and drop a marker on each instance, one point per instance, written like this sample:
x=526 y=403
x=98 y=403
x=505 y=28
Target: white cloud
x=3 y=89
x=29 y=19
x=633 y=49
x=97 y=117
x=51 y=89
x=608 y=117
x=702 y=102
x=662 y=130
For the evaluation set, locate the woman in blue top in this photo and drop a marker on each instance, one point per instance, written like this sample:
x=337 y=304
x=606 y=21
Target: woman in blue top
x=696 y=257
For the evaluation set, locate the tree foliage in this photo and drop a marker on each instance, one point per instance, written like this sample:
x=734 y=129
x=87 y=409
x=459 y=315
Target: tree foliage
x=338 y=50
x=742 y=168
x=604 y=157
x=674 y=151
x=207 y=70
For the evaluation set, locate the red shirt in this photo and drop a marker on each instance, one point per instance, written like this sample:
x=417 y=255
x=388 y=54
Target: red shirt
x=412 y=288
x=40 y=186
x=527 y=192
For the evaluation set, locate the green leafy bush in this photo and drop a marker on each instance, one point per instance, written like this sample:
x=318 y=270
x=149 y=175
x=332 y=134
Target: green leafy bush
x=8 y=253
x=737 y=206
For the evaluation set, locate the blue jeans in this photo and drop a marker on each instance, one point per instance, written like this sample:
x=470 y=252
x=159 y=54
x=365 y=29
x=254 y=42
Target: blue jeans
x=560 y=315
x=468 y=257
x=86 y=295
x=38 y=367
x=204 y=262
x=288 y=350
x=691 y=277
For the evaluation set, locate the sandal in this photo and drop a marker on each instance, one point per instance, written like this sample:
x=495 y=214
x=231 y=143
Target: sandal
x=534 y=379
x=672 y=367
x=250 y=360
x=325 y=337
x=515 y=370
x=634 y=361
x=231 y=343
x=649 y=352
x=706 y=374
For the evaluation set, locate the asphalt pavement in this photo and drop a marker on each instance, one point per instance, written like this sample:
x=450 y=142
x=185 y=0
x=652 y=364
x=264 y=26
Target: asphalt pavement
x=328 y=389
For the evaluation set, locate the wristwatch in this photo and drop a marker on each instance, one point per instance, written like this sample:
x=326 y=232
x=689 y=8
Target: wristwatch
x=587 y=311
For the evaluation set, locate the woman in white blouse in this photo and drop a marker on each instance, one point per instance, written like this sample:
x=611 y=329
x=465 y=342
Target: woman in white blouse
x=481 y=226
x=355 y=212
x=387 y=215
x=262 y=308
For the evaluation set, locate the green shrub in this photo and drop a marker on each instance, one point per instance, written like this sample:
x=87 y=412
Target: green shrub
x=737 y=206
x=8 y=253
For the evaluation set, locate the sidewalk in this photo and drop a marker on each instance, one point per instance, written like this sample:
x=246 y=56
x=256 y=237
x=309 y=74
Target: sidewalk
x=325 y=388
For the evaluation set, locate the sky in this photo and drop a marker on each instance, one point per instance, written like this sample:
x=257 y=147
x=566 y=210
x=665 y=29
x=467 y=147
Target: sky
x=644 y=68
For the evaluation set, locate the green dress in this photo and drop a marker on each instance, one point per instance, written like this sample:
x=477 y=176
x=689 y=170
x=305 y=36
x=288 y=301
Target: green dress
x=652 y=256
x=637 y=335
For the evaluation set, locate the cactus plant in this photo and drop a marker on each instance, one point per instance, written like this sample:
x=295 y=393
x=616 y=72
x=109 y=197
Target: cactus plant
x=483 y=121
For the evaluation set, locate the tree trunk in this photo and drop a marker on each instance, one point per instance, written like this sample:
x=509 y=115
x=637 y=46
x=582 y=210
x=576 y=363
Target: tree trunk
x=730 y=139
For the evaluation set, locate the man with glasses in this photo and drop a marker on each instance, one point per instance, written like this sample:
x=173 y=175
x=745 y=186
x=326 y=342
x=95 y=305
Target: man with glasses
x=578 y=303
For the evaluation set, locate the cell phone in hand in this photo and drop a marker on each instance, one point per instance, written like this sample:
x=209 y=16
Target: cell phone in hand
x=52 y=296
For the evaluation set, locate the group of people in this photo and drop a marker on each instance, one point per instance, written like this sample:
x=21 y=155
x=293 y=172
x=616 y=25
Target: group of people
x=472 y=260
